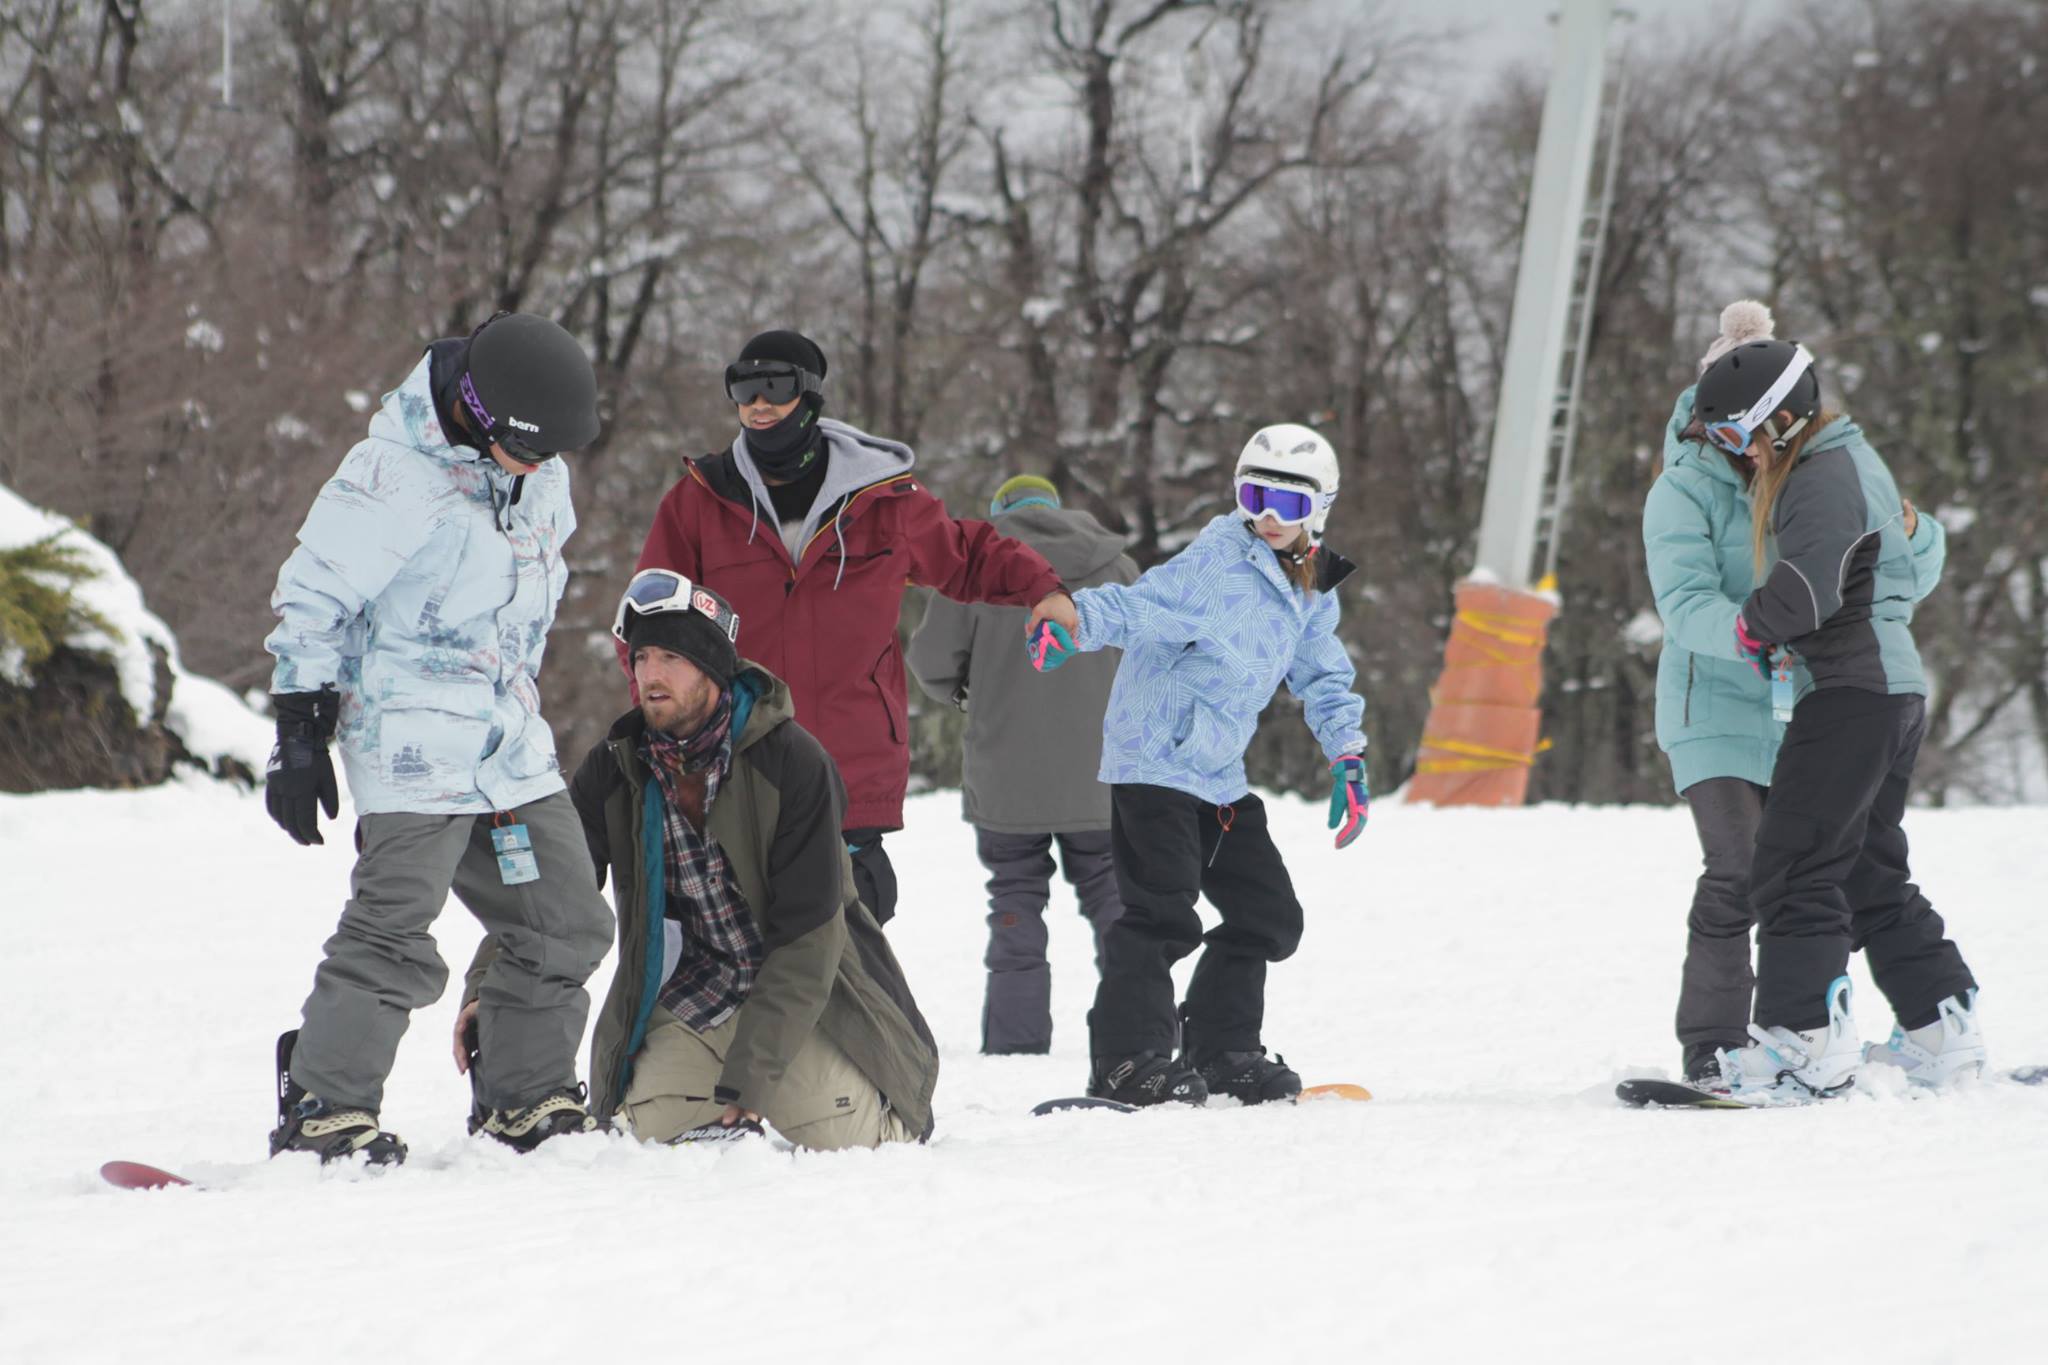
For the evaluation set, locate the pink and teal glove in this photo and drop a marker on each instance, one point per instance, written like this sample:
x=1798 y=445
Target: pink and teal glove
x=1758 y=652
x=1349 y=798
x=1049 y=646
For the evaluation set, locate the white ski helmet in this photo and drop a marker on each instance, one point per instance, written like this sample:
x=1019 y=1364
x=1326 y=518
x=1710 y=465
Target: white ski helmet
x=1292 y=454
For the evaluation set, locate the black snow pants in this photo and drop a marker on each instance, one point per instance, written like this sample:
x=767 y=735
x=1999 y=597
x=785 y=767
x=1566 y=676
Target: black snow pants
x=1016 y=1013
x=874 y=876
x=1171 y=847
x=1830 y=875
x=1716 y=983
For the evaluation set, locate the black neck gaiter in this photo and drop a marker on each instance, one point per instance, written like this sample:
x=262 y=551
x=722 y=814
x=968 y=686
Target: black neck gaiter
x=786 y=450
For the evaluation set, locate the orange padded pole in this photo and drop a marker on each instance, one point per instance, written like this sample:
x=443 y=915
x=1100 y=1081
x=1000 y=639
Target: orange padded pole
x=1481 y=736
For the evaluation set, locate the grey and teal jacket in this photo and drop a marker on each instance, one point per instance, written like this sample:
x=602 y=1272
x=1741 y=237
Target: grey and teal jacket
x=826 y=966
x=1713 y=711
x=1841 y=589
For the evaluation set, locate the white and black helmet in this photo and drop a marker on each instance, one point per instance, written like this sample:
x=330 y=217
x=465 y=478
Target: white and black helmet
x=1290 y=454
x=1744 y=391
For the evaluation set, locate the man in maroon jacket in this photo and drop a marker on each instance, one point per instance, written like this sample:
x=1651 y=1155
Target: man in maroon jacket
x=813 y=529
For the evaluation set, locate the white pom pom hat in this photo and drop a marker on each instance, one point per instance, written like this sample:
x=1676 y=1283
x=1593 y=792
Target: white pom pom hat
x=1742 y=321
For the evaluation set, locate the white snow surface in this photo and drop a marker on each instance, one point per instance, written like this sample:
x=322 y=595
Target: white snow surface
x=1488 y=974
x=211 y=720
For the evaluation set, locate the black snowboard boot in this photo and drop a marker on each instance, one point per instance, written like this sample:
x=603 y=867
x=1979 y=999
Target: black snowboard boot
x=307 y=1123
x=1248 y=1077
x=560 y=1112
x=1703 y=1064
x=1148 y=1078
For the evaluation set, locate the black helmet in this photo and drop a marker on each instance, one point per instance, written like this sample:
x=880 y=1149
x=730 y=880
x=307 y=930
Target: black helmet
x=529 y=386
x=1749 y=386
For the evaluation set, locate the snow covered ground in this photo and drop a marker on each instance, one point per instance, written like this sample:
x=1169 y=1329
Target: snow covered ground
x=1487 y=974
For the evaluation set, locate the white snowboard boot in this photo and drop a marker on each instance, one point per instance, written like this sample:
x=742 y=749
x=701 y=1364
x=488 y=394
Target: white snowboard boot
x=1947 y=1050
x=1797 y=1066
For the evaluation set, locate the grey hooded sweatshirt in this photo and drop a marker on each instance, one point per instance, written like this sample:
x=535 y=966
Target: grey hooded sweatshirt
x=1034 y=740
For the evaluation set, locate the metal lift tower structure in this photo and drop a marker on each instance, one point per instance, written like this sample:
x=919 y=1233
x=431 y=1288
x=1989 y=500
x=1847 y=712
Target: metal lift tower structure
x=1481 y=736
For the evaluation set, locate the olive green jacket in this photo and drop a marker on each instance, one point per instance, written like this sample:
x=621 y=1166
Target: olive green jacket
x=826 y=964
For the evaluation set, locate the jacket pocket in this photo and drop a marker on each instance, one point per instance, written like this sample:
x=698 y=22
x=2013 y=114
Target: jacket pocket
x=743 y=572
x=530 y=753
x=886 y=677
x=1204 y=743
x=424 y=749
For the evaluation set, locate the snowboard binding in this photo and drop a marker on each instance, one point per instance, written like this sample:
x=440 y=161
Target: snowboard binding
x=307 y=1123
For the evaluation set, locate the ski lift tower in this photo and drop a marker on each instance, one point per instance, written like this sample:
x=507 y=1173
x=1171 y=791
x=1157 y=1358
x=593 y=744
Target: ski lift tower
x=1481 y=738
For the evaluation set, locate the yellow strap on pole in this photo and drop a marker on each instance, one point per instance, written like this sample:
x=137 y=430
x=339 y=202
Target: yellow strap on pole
x=1488 y=623
x=1478 y=757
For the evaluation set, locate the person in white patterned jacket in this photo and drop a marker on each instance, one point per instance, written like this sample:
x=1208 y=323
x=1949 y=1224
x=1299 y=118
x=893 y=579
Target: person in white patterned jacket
x=412 y=617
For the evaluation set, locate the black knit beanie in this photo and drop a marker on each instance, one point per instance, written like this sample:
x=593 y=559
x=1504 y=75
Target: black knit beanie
x=690 y=634
x=791 y=348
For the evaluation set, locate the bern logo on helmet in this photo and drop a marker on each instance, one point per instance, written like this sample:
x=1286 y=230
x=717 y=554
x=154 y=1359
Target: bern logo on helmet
x=523 y=426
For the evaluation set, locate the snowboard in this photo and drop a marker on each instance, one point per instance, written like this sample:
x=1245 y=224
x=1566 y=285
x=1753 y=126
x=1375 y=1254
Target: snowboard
x=1640 y=1094
x=1338 y=1091
x=1083 y=1102
x=133 y=1175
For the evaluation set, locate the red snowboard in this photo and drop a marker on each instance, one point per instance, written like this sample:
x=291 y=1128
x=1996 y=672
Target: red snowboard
x=133 y=1175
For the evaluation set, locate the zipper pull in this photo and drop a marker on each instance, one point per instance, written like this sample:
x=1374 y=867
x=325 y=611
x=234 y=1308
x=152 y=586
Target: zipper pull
x=1225 y=816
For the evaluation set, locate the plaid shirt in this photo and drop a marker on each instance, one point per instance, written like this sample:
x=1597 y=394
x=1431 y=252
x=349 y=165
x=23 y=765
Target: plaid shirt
x=721 y=943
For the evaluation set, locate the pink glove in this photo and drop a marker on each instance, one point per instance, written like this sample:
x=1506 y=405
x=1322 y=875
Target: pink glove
x=1758 y=652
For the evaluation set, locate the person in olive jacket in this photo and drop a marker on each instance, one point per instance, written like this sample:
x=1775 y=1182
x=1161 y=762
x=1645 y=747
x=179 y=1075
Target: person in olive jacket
x=752 y=983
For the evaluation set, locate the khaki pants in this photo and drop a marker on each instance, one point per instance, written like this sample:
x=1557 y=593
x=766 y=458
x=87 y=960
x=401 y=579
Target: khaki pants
x=824 y=1102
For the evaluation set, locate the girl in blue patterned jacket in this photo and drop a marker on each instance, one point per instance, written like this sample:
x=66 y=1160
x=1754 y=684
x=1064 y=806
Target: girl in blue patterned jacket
x=1207 y=638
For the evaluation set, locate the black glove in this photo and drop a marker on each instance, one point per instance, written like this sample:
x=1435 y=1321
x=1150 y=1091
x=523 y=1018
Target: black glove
x=300 y=771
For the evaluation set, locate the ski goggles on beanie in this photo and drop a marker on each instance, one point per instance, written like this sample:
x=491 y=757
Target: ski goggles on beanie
x=1735 y=433
x=778 y=381
x=1290 y=504
x=654 y=592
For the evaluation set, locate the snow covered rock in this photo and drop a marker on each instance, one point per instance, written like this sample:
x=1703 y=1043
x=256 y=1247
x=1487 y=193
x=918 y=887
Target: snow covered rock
x=91 y=690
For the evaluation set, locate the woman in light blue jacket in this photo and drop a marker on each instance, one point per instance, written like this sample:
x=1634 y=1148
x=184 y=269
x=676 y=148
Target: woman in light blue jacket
x=1208 y=637
x=411 y=620
x=1715 y=718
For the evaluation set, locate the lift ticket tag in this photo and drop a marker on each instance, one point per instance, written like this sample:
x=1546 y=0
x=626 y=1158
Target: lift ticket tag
x=516 y=863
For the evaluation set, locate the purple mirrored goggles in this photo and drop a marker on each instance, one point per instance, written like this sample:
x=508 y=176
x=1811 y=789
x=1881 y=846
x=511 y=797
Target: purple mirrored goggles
x=1288 y=503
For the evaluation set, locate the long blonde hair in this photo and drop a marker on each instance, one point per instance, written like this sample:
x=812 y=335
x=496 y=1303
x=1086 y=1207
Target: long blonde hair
x=1770 y=481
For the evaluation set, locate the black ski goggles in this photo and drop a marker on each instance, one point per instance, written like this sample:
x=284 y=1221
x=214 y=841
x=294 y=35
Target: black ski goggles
x=505 y=434
x=778 y=381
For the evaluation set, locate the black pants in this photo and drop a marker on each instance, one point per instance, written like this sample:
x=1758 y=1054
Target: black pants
x=1830 y=876
x=1716 y=983
x=873 y=875
x=1169 y=848
x=1016 y=1013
